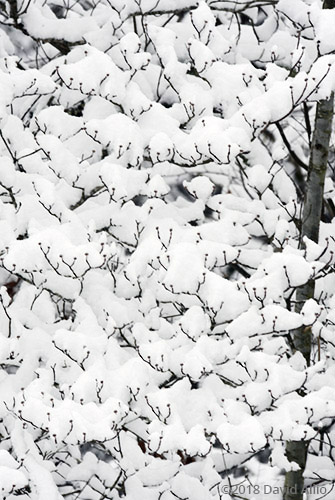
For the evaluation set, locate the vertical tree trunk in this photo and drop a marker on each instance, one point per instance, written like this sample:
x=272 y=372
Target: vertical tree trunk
x=296 y=451
x=313 y=207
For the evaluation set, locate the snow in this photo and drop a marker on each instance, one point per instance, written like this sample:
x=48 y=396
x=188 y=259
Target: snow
x=271 y=318
x=233 y=436
x=151 y=249
x=10 y=477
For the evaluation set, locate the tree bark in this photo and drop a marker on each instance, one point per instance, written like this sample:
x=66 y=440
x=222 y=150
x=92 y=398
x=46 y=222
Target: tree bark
x=297 y=451
x=311 y=217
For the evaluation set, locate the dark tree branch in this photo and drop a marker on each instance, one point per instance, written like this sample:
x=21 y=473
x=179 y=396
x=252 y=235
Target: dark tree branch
x=293 y=155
